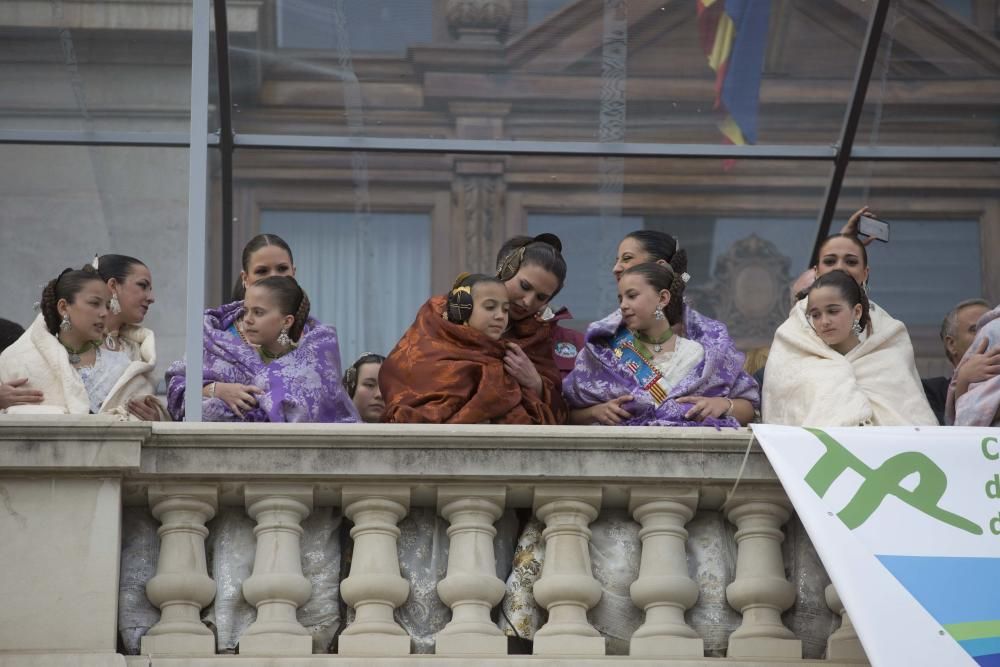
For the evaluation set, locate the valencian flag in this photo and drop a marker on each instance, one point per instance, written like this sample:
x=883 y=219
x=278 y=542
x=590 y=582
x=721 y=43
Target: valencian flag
x=734 y=36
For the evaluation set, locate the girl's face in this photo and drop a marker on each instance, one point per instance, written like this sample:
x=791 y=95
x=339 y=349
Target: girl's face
x=489 y=309
x=367 y=395
x=529 y=290
x=639 y=301
x=87 y=313
x=843 y=254
x=270 y=260
x=832 y=317
x=135 y=294
x=263 y=320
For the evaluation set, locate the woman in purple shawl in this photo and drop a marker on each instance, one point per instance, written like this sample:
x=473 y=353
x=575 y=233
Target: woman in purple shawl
x=658 y=378
x=282 y=366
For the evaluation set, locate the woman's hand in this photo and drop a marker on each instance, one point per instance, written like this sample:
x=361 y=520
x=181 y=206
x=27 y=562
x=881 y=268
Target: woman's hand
x=519 y=366
x=145 y=408
x=705 y=407
x=851 y=228
x=239 y=398
x=12 y=393
x=979 y=366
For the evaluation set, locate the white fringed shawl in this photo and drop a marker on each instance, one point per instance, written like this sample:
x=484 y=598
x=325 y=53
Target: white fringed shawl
x=808 y=383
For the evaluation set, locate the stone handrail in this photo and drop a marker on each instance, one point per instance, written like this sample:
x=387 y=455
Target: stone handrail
x=64 y=481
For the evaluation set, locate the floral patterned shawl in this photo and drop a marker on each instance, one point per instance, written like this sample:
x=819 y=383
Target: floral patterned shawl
x=301 y=386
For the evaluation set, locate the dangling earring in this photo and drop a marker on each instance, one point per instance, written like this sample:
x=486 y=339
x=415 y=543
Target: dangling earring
x=65 y=325
x=864 y=287
x=283 y=339
x=115 y=306
x=658 y=314
x=856 y=328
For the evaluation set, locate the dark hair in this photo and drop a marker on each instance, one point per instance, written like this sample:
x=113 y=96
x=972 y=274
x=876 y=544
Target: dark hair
x=663 y=277
x=252 y=246
x=853 y=239
x=849 y=289
x=9 y=332
x=351 y=374
x=460 y=297
x=66 y=286
x=662 y=246
x=261 y=241
x=291 y=300
x=116 y=266
x=544 y=250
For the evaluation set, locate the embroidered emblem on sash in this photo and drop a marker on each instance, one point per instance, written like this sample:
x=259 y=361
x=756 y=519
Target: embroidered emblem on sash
x=564 y=349
x=645 y=374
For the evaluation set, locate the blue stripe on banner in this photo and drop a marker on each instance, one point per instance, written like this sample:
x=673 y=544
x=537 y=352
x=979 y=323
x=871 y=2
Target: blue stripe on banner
x=988 y=660
x=951 y=589
x=986 y=646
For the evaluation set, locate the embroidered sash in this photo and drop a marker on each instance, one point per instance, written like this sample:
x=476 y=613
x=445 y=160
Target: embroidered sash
x=623 y=346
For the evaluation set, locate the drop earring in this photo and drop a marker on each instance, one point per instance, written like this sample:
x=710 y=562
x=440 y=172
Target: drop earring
x=658 y=314
x=115 y=305
x=856 y=328
x=283 y=339
x=65 y=325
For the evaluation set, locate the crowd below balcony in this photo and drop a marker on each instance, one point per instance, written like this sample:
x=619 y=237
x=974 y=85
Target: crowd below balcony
x=492 y=350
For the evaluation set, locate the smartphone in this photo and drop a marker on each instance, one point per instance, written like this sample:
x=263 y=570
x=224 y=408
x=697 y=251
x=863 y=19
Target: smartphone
x=875 y=228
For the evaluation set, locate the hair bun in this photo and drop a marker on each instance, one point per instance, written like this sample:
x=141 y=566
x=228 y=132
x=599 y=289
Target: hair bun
x=549 y=239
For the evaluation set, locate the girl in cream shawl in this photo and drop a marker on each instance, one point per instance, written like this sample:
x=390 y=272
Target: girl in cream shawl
x=823 y=370
x=61 y=354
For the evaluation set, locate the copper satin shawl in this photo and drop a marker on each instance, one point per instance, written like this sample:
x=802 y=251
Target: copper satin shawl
x=535 y=337
x=444 y=373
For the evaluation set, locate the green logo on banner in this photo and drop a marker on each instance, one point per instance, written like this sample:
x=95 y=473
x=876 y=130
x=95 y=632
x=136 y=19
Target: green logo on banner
x=884 y=481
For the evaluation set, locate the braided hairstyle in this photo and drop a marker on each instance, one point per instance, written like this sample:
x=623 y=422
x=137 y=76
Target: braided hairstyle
x=849 y=289
x=351 y=374
x=662 y=247
x=544 y=250
x=290 y=298
x=66 y=286
x=252 y=246
x=460 y=297
x=662 y=277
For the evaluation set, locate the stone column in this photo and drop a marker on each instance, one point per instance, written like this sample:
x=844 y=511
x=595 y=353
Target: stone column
x=181 y=587
x=277 y=587
x=375 y=587
x=567 y=588
x=664 y=589
x=471 y=587
x=843 y=644
x=760 y=591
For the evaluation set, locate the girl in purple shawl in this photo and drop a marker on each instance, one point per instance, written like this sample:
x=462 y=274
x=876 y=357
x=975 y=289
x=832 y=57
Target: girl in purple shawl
x=658 y=378
x=283 y=367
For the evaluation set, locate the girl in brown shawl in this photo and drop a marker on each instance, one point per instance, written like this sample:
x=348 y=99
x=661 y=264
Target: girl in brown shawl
x=450 y=367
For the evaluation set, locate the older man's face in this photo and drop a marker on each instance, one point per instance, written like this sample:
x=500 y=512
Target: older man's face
x=965 y=331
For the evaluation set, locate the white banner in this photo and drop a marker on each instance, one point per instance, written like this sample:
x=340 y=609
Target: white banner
x=907 y=523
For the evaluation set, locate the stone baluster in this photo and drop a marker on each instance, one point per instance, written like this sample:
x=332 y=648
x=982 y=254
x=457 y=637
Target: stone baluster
x=181 y=587
x=843 y=644
x=375 y=587
x=471 y=587
x=760 y=591
x=277 y=587
x=664 y=589
x=567 y=588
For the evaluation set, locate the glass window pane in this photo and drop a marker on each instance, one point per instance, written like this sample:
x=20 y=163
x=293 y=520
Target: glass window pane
x=937 y=77
x=374 y=235
x=944 y=223
x=61 y=205
x=583 y=70
x=368 y=273
x=123 y=66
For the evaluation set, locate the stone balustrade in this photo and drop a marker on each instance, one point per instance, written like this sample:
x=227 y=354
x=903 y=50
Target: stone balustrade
x=65 y=482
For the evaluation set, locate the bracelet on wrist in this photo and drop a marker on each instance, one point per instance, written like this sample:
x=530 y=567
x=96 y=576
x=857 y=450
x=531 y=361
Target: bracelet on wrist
x=729 y=410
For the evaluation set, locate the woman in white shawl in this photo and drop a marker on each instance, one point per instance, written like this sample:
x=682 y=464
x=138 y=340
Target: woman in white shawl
x=62 y=356
x=840 y=361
